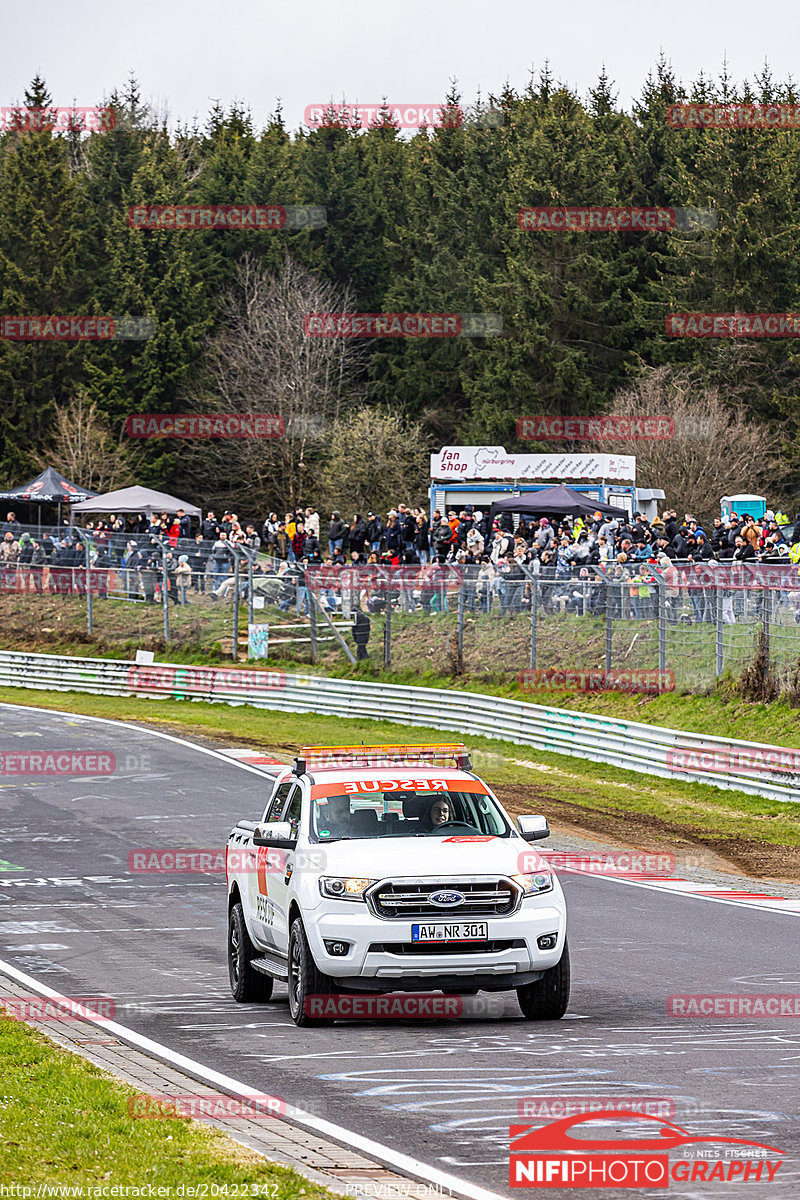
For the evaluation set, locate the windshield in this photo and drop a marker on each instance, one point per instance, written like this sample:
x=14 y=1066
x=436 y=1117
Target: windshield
x=407 y=814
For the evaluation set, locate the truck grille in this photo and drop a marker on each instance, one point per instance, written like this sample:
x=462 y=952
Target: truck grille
x=420 y=949
x=403 y=900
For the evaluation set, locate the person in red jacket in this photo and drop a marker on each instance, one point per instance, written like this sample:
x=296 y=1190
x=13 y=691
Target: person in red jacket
x=299 y=540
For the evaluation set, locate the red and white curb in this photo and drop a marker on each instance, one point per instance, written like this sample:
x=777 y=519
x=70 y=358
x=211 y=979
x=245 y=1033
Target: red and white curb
x=683 y=887
x=254 y=758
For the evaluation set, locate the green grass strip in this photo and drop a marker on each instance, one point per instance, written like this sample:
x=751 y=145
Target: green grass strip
x=63 y=1122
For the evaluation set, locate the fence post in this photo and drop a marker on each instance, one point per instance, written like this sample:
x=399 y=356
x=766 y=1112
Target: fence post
x=719 y=658
x=326 y=618
x=387 y=626
x=312 y=623
x=609 y=622
x=766 y=602
x=165 y=592
x=533 y=580
x=88 y=587
x=460 y=627
x=250 y=618
x=662 y=622
x=235 y=642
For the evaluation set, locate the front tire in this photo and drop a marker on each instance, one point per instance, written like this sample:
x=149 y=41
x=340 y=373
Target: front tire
x=548 y=997
x=247 y=986
x=305 y=978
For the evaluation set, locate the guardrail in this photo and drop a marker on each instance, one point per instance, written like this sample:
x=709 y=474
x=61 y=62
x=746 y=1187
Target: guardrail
x=762 y=770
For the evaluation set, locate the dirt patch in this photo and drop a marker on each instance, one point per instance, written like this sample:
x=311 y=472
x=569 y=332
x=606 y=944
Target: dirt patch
x=742 y=856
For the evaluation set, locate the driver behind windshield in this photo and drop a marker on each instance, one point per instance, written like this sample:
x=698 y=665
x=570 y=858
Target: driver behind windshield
x=439 y=813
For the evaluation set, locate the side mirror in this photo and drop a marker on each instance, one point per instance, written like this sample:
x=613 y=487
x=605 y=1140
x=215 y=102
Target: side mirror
x=533 y=829
x=276 y=833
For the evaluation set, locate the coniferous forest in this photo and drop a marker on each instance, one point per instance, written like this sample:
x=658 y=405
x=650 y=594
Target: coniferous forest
x=415 y=223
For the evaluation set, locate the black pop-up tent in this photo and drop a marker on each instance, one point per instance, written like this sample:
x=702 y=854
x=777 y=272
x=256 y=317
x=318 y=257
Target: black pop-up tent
x=557 y=501
x=48 y=488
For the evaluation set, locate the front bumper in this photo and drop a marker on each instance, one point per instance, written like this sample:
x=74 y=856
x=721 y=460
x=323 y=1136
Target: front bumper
x=381 y=955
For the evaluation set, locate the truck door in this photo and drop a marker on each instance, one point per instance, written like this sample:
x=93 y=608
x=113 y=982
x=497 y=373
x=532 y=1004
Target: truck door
x=264 y=869
x=283 y=864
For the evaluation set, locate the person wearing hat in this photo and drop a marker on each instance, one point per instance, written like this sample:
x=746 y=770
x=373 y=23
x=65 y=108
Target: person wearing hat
x=545 y=537
x=475 y=542
x=183 y=577
x=374 y=532
x=24 y=560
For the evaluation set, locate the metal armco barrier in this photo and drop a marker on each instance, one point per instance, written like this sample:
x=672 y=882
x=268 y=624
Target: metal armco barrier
x=762 y=770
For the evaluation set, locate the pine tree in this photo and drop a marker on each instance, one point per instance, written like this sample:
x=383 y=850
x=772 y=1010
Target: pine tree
x=40 y=243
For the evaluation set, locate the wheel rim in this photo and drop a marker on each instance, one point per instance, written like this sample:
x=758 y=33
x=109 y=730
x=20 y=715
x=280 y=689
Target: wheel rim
x=295 y=978
x=234 y=954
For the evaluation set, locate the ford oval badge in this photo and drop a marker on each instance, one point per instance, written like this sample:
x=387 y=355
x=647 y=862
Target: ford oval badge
x=447 y=899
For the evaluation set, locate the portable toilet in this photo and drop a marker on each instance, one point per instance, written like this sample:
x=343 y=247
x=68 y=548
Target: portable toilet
x=756 y=506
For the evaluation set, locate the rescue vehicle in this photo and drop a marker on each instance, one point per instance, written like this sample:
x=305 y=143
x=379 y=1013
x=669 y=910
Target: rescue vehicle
x=389 y=869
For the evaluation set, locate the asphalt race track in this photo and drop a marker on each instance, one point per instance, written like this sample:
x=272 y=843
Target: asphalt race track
x=75 y=918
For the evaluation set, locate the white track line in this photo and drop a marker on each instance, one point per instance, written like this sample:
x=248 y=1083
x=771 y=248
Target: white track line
x=383 y=1154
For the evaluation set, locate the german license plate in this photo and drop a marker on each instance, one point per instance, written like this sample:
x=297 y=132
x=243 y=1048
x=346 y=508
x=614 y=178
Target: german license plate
x=455 y=931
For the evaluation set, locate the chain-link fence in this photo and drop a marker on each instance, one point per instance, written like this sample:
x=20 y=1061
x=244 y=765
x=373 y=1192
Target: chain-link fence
x=689 y=622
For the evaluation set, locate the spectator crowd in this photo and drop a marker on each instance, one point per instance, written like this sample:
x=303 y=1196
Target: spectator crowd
x=497 y=560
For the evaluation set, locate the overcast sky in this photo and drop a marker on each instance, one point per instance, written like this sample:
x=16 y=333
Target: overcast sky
x=185 y=55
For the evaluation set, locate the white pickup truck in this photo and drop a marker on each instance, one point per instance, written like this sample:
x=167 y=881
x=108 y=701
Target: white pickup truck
x=389 y=869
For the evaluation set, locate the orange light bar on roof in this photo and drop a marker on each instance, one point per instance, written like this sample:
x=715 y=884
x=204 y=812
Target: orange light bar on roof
x=428 y=752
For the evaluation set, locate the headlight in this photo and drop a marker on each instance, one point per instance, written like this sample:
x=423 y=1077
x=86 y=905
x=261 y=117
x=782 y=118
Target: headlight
x=343 y=889
x=532 y=885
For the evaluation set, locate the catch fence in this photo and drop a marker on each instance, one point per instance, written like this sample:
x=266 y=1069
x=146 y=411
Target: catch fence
x=690 y=622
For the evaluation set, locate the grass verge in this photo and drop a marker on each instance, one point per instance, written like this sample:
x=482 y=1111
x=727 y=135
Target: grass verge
x=758 y=835
x=64 y=1122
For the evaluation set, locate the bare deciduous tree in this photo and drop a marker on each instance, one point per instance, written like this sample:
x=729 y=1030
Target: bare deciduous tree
x=716 y=449
x=85 y=450
x=262 y=361
x=376 y=459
